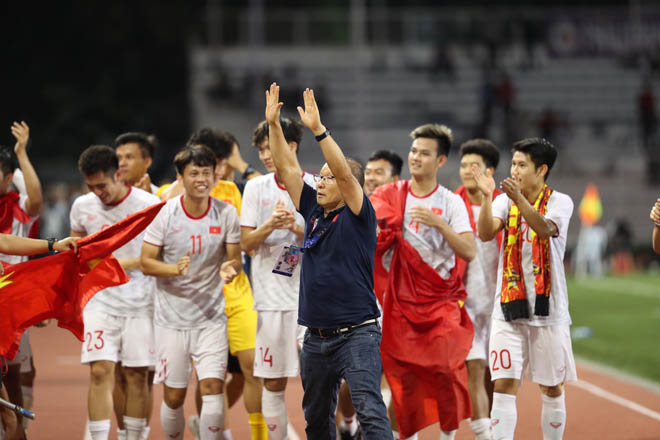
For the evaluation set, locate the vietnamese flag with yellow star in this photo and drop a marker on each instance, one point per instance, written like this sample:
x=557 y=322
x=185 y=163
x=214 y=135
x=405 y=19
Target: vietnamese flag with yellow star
x=59 y=286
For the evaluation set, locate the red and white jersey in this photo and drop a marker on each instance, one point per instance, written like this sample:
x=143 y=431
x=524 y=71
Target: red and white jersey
x=481 y=276
x=20 y=227
x=89 y=215
x=429 y=242
x=271 y=291
x=559 y=211
x=193 y=300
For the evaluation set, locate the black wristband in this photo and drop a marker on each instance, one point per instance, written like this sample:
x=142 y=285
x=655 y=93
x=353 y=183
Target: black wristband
x=248 y=170
x=322 y=136
x=51 y=242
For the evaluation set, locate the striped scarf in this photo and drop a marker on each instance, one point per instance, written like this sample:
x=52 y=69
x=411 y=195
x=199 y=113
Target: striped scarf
x=514 y=298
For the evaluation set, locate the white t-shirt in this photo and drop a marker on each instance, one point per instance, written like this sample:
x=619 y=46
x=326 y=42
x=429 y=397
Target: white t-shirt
x=20 y=228
x=271 y=291
x=194 y=300
x=429 y=242
x=89 y=215
x=481 y=276
x=559 y=211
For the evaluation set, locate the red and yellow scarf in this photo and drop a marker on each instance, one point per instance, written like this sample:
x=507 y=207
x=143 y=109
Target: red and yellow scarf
x=514 y=298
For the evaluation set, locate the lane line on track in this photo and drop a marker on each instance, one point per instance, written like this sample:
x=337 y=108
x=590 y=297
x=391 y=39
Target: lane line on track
x=604 y=394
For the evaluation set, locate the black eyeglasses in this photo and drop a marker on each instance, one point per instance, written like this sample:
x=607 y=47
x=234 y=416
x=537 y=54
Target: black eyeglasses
x=319 y=178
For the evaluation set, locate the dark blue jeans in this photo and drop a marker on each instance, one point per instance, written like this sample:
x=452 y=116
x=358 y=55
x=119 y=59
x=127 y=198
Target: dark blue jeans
x=355 y=357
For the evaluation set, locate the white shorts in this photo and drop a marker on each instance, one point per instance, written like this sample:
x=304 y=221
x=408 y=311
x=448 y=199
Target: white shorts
x=479 y=348
x=178 y=349
x=547 y=350
x=114 y=338
x=24 y=354
x=276 y=348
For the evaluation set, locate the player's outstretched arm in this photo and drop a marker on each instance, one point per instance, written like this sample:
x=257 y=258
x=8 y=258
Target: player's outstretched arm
x=14 y=245
x=21 y=132
x=487 y=225
x=655 y=218
x=151 y=265
x=348 y=185
x=288 y=169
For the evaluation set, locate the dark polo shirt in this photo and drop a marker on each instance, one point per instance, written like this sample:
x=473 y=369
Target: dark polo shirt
x=337 y=274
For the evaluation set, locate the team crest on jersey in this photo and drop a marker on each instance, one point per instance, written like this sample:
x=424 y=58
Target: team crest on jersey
x=91 y=217
x=266 y=202
x=437 y=210
x=214 y=229
x=177 y=229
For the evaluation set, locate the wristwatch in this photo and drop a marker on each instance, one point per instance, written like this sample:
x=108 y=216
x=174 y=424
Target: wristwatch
x=51 y=242
x=249 y=170
x=322 y=136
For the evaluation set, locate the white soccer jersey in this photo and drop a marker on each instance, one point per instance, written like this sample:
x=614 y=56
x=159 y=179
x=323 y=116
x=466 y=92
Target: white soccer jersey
x=560 y=209
x=20 y=227
x=193 y=300
x=271 y=291
x=89 y=215
x=429 y=242
x=481 y=276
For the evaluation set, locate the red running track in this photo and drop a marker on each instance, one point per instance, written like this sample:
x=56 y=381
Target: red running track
x=61 y=396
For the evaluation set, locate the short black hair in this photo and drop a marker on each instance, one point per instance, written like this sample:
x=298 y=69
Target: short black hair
x=199 y=155
x=8 y=160
x=98 y=158
x=441 y=134
x=394 y=159
x=218 y=141
x=541 y=151
x=292 y=129
x=484 y=148
x=147 y=143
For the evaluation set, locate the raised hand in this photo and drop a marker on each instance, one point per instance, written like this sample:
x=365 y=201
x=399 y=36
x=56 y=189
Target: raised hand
x=512 y=189
x=282 y=218
x=655 y=213
x=183 y=264
x=227 y=271
x=485 y=182
x=273 y=104
x=310 y=114
x=21 y=132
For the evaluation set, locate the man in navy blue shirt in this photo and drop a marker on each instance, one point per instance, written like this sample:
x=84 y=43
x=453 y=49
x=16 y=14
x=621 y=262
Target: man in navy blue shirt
x=337 y=301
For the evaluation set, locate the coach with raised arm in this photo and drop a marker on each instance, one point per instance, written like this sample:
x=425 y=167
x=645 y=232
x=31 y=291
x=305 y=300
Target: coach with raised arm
x=337 y=301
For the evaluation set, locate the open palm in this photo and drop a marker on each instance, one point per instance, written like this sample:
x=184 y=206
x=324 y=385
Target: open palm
x=310 y=114
x=273 y=104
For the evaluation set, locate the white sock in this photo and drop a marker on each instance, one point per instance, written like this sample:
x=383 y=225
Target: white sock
x=228 y=435
x=553 y=417
x=481 y=428
x=211 y=418
x=99 y=429
x=121 y=434
x=351 y=424
x=172 y=421
x=447 y=435
x=273 y=407
x=134 y=427
x=145 y=433
x=503 y=416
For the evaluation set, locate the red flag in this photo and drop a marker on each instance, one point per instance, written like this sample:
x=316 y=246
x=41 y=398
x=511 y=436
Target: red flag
x=426 y=333
x=59 y=286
